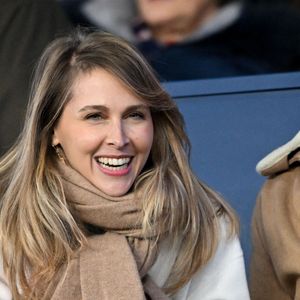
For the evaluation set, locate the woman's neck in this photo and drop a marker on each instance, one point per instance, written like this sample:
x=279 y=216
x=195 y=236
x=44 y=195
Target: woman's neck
x=178 y=30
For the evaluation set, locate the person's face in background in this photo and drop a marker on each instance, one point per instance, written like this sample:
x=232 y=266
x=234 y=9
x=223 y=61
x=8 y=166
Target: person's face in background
x=105 y=131
x=178 y=15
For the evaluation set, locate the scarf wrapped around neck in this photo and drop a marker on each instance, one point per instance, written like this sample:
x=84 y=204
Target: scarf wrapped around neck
x=112 y=264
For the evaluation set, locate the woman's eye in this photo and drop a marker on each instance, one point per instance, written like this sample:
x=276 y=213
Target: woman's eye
x=94 y=117
x=137 y=115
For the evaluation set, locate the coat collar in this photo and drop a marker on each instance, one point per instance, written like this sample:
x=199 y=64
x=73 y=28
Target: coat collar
x=281 y=158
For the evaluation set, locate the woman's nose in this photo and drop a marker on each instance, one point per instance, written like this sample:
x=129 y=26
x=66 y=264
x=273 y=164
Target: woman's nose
x=116 y=135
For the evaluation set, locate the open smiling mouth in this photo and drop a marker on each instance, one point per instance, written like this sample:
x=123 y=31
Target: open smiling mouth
x=114 y=164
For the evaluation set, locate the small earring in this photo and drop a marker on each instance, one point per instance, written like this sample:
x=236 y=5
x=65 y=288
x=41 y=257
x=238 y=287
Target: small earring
x=59 y=152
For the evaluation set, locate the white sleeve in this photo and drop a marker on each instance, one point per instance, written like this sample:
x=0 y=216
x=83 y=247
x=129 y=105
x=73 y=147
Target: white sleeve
x=4 y=290
x=223 y=278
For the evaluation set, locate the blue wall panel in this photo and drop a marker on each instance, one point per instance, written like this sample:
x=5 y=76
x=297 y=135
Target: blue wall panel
x=232 y=129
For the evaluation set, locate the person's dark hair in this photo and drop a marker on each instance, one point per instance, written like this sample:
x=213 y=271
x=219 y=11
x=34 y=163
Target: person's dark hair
x=223 y=2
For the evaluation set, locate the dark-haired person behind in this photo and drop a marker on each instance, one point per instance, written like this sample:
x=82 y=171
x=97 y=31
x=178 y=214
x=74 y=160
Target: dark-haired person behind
x=210 y=38
x=275 y=267
x=98 y=200
x=203 y=38
x=26 y=27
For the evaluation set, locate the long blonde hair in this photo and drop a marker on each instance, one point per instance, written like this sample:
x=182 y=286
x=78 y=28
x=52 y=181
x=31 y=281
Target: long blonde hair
x=38 y=232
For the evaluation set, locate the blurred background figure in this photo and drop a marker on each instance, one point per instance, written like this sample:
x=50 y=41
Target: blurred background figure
x=204 y=38
x=26 y=27
x=115 y=16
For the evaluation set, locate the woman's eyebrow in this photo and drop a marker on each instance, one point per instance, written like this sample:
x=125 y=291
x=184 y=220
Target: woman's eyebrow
x=136 y=107
x=93 y=107
x=106 y=109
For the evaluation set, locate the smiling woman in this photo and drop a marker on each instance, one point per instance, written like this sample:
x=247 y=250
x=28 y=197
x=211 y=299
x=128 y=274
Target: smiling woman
x=98 y=199
x=105 y=131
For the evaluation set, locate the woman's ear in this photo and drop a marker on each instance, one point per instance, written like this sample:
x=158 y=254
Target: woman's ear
x=55 y=140
x=57 y=147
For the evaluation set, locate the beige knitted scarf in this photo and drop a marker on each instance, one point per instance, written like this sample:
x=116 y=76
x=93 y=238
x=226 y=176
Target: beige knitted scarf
x=113 y=264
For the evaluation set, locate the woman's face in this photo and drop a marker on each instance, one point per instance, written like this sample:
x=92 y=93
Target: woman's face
x=106 y=132
x=164 y=12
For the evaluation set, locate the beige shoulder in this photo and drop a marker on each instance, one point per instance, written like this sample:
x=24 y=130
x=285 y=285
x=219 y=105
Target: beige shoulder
x=281 y=159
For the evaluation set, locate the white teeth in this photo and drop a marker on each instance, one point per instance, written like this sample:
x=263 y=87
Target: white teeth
x=114 y=161
x=114 y=168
